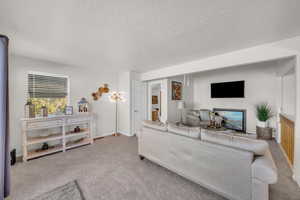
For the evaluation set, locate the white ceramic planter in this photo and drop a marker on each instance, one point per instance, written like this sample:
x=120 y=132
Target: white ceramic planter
x=262 y=124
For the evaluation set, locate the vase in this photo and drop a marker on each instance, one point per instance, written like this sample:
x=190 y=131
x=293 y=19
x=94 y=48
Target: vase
x=262 y=124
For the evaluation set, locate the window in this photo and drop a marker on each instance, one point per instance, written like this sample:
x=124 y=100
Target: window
x=48 y=90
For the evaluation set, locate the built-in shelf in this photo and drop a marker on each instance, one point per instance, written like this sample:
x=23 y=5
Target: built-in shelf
x=83 y=132
x=35 y=154
x=65 y=137
x=42 y=139
x=77 y=144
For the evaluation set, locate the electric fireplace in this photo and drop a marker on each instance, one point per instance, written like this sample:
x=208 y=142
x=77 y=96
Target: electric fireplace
x=233 y=118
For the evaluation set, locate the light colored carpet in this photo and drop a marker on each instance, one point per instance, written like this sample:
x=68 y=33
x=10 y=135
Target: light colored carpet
x=286 y=188
x=69 y=191
x=111 y=170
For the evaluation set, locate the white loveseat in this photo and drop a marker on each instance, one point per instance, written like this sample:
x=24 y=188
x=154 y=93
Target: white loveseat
x=235 y=167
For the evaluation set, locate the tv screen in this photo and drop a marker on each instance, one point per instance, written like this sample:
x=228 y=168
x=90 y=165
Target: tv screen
x=228 y=89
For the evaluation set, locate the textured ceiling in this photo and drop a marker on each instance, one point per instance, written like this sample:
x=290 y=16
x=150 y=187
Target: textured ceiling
x=142 y=34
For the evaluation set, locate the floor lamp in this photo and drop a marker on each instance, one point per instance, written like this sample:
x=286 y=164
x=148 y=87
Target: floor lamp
x=116 y=97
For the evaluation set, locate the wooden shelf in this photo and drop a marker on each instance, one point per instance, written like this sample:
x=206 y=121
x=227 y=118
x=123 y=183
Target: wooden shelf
x=81 y=133
x=35 y=154
x=42 y=139
x=80 y=143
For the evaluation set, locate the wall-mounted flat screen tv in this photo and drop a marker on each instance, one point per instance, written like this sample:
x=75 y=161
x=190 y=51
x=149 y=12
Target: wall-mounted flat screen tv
x=235 y=89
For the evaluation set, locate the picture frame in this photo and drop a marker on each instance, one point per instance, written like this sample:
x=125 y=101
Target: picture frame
x=176 y=91
x=69 y=110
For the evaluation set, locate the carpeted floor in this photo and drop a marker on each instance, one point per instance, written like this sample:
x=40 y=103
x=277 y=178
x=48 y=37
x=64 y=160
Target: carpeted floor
x=110 y=169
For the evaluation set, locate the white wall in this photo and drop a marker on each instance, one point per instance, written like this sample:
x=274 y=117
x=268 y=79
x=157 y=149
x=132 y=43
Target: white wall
x=289 y=94
x=187 y=94
x=133 y=109
x=261 y=85
x=164 y=100
x=173 y=112
x=124 y=108
x=82 y=83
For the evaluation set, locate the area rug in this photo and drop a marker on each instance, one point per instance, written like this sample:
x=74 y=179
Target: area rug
x=70 y=191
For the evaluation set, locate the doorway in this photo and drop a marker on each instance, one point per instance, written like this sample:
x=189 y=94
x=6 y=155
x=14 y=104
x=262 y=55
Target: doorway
x=139 y=102
x=155 y=101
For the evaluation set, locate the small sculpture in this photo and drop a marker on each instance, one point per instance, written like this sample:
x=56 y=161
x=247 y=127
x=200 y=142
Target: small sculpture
x=83 y=105
x=29 y=109
x=96 y=95
x=44 y=111
x=218 y=121
x=45 y=146
x=77 y=129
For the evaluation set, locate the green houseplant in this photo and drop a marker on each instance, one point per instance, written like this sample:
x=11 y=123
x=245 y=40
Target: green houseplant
x=263 y=113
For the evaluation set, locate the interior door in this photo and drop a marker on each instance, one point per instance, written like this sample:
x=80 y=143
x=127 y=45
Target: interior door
x=139 y=105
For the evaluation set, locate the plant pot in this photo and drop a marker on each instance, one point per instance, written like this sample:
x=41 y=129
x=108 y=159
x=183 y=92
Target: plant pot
x=262 y=124
x=264 y=133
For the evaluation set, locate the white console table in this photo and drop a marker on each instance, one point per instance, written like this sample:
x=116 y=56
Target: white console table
x=63 y=137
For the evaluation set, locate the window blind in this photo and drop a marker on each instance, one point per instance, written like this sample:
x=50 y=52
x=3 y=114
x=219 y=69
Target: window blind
x=41 y=86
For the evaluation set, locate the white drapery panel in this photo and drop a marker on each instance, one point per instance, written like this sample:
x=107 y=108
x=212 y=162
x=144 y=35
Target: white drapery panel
x=4 y=134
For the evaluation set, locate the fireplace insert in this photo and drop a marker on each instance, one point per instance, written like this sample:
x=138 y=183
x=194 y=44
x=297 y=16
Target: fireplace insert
x=234 y=119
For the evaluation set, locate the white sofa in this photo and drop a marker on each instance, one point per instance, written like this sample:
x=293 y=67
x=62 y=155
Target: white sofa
x=234 y=167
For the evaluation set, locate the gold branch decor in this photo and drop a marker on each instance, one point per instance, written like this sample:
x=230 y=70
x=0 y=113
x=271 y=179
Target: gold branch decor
x=104 y=89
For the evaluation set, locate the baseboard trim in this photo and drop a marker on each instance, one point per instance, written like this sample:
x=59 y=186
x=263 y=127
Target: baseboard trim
x=104 y=135
x=19 y=158
x=297 y=180
x=124 y=133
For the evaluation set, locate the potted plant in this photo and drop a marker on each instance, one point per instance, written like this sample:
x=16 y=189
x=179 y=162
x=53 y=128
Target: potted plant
x=263 y=113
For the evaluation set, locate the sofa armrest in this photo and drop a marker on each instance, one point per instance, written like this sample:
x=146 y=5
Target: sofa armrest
x=264 y=169
x=260 y=190
x=155 y=125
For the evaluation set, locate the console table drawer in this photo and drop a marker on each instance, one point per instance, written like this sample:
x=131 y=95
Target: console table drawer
x=44 y=124
x=78 y=120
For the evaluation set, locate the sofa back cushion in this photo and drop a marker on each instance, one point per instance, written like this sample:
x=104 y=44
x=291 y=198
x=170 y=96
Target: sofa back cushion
x=192 y=120
x=193 y=132
x=258 y=147
x=155 y=125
